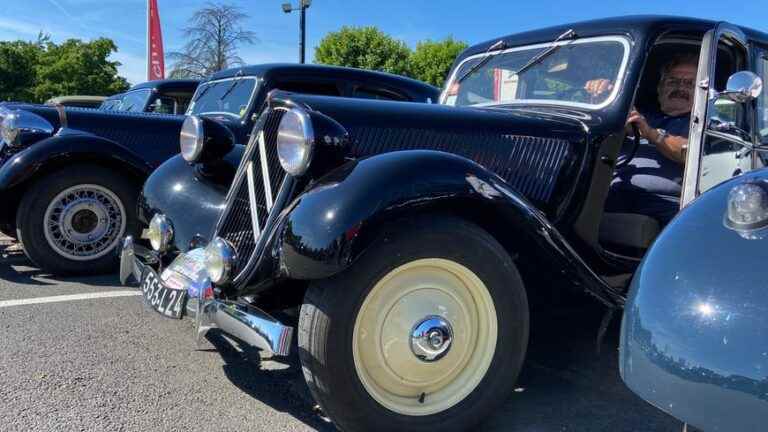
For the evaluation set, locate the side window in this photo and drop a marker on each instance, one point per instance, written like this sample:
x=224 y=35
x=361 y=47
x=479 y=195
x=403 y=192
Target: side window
x=363 y=92
x=162 y=104
x=315 y=88
x=723 y=151
x=762 y=101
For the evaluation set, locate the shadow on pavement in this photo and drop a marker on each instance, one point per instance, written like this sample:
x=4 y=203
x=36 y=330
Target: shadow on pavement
x=276 y=383
x=15 y=267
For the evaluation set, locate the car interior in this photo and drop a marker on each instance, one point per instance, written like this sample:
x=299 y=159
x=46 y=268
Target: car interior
x=630 y=235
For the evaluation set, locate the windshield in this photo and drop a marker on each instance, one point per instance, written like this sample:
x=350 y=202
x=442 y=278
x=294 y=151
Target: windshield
x=133 y=101
x=559 y=78
x=228 y=96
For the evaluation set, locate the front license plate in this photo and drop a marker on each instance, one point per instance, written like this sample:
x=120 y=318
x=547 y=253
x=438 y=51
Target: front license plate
x=166 y=300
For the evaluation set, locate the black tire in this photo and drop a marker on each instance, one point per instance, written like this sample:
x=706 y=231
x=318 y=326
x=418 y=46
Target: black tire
x=30 y=218
x=331 y=306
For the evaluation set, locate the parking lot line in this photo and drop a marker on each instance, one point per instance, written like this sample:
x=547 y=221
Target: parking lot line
x=71 y=297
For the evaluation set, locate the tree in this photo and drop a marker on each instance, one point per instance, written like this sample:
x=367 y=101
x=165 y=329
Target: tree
x=36 y=71
x=214 y=34
x=364 y=48
x=431 y=60
x=77 y=67
x=17 y=69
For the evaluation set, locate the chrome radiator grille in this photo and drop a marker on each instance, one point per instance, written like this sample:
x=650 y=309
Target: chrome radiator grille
x=254 y=191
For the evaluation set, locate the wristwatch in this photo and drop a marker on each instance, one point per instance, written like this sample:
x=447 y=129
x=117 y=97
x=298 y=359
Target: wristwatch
x=662 y=135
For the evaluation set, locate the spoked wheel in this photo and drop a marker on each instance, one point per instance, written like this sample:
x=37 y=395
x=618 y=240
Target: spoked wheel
x=427 y=331
x=71 y=221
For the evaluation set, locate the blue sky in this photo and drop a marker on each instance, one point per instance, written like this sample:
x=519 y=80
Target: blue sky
x=409 y=20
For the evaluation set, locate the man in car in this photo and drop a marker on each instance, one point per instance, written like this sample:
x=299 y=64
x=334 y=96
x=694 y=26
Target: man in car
x=651 y=183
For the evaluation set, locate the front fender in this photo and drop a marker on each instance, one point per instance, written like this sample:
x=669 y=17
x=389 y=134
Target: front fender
x=62 y=149
x=191 y=196
x=693 y=338
x=330 y=225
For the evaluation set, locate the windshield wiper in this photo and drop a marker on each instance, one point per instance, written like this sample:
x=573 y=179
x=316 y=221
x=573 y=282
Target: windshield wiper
x=546 y=52
x=238 y=79
x=498 y=46
x=203 y=91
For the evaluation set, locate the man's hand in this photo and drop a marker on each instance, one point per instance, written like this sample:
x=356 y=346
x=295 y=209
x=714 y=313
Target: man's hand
x=596 y=87
x=670 y=146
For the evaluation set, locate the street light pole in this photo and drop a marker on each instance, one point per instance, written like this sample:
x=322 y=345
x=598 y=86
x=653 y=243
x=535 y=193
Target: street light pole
x=303 y=5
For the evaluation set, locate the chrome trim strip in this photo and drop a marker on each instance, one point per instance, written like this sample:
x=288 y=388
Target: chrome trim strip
x=265 y=169
x=252 y=202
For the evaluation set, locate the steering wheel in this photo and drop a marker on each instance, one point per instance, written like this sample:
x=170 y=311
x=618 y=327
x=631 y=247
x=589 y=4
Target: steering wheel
x=624 y=159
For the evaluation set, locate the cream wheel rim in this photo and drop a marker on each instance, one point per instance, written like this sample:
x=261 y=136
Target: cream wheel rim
x=404 y=299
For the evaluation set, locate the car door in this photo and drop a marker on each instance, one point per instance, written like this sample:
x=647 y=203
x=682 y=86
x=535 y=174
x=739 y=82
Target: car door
x=722 y=131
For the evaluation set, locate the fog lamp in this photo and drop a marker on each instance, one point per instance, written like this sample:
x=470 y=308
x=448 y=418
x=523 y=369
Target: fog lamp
x=220 y=259
x=160 y=232
x=747 y=207
x=295 y=141
x=191 y=139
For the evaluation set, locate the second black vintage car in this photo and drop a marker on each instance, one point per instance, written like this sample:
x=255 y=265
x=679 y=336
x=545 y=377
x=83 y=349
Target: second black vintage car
x=410 y=239
x=70 y=178
x=171 y=96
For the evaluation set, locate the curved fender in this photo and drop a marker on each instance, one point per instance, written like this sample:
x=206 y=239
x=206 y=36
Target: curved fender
x=59 y=149
x=693 y=336
x=323 y=230
x=191 y=196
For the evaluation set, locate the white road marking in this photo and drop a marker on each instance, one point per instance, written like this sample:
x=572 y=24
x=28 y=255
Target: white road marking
x=71 y=297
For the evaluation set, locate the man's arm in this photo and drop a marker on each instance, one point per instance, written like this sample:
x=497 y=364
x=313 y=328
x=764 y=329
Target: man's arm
x=671 y=146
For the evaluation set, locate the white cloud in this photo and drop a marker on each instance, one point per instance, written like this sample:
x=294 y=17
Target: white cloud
x=133 y=67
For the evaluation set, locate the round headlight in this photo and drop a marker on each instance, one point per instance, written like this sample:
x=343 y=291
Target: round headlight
x=219 y=260
x=295 y=140
x=747 y=207
x=9 y=129
x=191 y=138
x=160 y=232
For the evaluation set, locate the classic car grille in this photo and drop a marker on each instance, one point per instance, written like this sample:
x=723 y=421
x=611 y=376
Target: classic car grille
x=529 y=164
x=251 y=198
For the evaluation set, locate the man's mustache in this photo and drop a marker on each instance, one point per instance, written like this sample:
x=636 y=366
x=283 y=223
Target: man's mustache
x=679 y=94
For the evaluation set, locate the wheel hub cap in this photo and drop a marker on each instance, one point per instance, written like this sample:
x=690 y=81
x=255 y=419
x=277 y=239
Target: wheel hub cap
x=431 y=339
x=84 y=222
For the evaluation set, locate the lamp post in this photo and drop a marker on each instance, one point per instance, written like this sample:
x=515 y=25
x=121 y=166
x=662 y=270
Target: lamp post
x=302 y=8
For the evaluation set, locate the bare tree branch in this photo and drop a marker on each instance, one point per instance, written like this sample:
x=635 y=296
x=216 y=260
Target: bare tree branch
x=213 y=37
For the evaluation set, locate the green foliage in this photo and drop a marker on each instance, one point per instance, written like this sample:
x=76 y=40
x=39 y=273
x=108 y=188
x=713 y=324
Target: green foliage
x=431 y=60
x=364 y=48
x=37 y=71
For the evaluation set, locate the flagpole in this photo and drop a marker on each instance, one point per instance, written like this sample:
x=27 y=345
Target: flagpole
x=149 y=48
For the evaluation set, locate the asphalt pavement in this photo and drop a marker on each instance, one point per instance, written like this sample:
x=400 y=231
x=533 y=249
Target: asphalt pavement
x=102 y=361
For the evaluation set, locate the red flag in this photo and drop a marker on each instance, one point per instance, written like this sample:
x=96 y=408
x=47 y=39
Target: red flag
x=155 y=56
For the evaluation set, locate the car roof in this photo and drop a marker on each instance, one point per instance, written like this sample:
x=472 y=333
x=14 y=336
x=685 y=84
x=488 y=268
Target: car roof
x=268 y=70
x=633 y=25
x=169 y=84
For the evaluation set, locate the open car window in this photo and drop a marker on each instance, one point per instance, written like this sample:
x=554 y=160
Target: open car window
x=558 y=79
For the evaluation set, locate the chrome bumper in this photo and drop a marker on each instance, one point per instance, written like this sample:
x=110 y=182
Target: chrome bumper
x=245 y=322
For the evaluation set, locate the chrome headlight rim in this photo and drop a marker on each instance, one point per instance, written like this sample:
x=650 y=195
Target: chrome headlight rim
x=220 y=257
x=307 y=142
x=192 y=138
x=160 y=232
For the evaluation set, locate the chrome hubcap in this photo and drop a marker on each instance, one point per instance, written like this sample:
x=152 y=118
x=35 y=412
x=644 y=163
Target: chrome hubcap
x=431 y=339
x=84 y=222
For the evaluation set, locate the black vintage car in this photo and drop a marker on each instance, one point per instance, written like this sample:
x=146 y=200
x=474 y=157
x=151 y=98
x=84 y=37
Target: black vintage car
x=411 y=239
x=170 y=96
x=70 y=178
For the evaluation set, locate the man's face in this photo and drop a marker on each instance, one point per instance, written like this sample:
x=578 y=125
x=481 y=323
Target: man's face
x=676 y=90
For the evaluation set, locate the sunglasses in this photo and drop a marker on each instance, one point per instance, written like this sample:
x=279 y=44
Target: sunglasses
x=679 y=82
